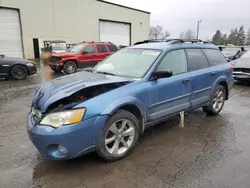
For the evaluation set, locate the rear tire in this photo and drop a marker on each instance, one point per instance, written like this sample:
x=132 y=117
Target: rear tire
x=216 y=102
x=70 y=67
x=19 y=72
x=119 y=136
x=57 y=70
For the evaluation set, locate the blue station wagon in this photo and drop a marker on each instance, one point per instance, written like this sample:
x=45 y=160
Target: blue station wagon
x=107 y=108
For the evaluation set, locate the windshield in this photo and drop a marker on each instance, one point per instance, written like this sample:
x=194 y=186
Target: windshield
x=58 y=46
x=129 y=62
x=76 y=48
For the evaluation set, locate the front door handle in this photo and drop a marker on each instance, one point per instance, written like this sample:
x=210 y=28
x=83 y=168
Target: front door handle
x=93 y=55
x=212 y=73
x=185 y=81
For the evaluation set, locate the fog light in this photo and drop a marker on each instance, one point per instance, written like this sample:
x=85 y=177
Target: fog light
x=62 y=149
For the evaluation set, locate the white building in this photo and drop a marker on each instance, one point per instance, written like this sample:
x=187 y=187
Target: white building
x=25 y=24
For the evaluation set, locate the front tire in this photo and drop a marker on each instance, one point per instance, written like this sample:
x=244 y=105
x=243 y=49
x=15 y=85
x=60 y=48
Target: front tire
x=19 y=72
x=70 y=67
x=119 y=136
x=216 y=102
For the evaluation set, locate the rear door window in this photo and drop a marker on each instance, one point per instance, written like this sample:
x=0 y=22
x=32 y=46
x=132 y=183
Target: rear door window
x=214 y=57
x=101 y=48
x=196 y=60
x=112 y=48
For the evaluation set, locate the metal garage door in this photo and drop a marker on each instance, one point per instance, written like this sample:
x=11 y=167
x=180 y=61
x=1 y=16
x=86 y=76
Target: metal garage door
x=10 y=33
x=117 y=33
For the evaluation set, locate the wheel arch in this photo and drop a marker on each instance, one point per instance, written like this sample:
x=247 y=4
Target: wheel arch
x=130 y=104
x=222 y=81
x=18 y=64
x=71 y=60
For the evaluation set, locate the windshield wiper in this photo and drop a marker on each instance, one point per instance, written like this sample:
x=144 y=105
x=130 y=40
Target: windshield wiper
x=107 y=73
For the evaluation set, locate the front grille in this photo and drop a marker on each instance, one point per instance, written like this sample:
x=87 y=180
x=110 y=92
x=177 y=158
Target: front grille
x=55 y=59
x=242 y=70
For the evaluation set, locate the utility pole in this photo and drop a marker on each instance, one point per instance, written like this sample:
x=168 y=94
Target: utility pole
x=198 y=29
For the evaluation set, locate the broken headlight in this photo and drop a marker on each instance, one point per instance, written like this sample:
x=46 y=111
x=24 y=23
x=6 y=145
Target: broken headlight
x=59 y=119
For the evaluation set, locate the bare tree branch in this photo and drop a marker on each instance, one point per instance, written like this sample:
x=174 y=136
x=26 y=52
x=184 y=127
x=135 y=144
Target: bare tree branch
x=157 y=32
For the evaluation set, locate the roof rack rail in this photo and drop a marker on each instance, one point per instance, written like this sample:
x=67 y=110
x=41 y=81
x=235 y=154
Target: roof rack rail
x=148 y=41
x=174 y=41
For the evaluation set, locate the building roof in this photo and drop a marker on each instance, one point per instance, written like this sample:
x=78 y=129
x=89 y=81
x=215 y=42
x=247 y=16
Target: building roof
x=124 y=6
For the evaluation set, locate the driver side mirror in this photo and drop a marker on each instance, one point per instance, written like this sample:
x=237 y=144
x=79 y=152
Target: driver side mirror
x=162 y=73
x=84 y=52
x=2 y=55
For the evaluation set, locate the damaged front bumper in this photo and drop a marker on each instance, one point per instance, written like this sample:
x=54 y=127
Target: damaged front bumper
x=76 y=139
x=241 y=75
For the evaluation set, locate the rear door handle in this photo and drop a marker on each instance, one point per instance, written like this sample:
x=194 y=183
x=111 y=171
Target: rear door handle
x=185 y=81
x=213 y=73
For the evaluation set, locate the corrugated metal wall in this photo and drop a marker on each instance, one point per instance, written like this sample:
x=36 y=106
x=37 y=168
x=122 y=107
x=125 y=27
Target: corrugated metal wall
x=72 y=20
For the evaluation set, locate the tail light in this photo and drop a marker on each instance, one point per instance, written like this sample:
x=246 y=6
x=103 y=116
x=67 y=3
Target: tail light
x=231 y=67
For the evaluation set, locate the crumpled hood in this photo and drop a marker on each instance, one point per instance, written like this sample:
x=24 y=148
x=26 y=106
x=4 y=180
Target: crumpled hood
x=241 y=63
x=67 y=85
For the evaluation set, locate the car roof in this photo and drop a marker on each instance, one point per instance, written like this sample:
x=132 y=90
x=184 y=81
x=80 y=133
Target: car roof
x=168 y=45
x=106 y=43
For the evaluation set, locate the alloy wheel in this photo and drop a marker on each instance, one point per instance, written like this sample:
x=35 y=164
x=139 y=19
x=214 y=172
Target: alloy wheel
x=19 y=73
x=120 y=137
x=218 y=100
x=71 y=68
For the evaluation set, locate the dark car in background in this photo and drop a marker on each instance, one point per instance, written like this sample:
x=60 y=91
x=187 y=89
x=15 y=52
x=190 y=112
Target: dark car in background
x=242 y=67
x=83 y=55
x=15 y=68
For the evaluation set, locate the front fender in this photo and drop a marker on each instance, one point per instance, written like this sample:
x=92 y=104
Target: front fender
x=75 y=59
x=112 y=107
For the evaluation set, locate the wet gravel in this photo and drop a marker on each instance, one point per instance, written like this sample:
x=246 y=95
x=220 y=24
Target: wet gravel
x=209 y=152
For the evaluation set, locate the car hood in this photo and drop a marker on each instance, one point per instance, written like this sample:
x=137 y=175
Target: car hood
x=15 y=60
x=66 y=86
x=241 y=63
x=64 y=54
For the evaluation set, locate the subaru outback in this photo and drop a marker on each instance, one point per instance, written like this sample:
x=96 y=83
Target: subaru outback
x=108 y=108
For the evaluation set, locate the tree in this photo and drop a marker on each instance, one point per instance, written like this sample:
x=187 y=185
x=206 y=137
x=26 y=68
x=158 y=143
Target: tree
x=189 y=34
x=236 y=42
x=232 y=37
x=217 y=38
x=248 y=37
x=241 y=36
x=157 y=32
x=224 y=39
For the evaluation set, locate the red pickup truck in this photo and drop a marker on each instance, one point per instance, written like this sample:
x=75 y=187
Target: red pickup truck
x=81 y=56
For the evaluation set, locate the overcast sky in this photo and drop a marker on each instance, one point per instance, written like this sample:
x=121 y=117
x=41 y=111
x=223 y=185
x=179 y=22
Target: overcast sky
x=179 y=15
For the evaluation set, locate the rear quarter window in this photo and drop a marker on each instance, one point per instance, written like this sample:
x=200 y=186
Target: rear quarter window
x=112 y=48
x=215 y=57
